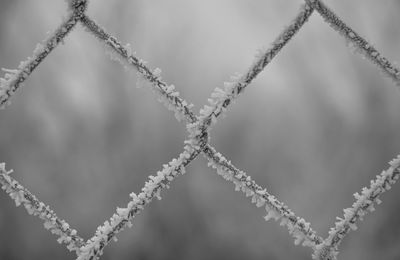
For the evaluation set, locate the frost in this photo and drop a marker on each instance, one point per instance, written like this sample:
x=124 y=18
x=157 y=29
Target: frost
x=123 y=211
x=351 y=35
x=10 y=72
x=395 y=162
x=111 y=50
x=299 y=237
x=198 y=128
x=357 y=43
x=364 y=203
x=129 y=51
x=324 y=252
x=123 y=216
x=39 y=49
x=14 y=79
x=33 y=206
x=271 y=214
x=300 y=229
x=157 y=72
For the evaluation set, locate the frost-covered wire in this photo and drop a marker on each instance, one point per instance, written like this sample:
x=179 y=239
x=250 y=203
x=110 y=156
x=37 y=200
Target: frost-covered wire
x=297 y=226
x=35 y=207
x=364 y=203
x=221 y=98
x=14 y=79
x=167 y=93
x=198 y=139
x=123 y=217
x=358 y=43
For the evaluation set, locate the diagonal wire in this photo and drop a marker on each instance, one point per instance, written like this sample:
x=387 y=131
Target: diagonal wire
x=221 y=99
x=35 y=207
x=178 y=104
x=364 y=203
x=15 y=78
x=93 y=248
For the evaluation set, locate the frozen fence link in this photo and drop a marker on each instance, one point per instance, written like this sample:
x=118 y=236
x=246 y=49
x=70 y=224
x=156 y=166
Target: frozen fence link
x=221 y=98
x=167 y=95
x=198 y=141
x=298 y=227
x=35 y=207
x=359 y=44
x=15 y=78
x=364 y=203
x=104 y=233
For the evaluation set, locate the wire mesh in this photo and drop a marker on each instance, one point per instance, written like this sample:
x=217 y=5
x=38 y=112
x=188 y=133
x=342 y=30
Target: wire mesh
x=198 y=142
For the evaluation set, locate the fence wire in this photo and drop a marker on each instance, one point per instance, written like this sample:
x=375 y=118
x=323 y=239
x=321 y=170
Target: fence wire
x=198 y=142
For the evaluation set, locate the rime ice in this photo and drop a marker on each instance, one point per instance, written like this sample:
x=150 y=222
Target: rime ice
x=33 y=206
x=198 y=128
x=364 y=203
x=14 y=79
x=124 y=216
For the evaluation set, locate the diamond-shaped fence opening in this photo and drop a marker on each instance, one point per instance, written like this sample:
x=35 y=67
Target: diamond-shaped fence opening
x=198 y=141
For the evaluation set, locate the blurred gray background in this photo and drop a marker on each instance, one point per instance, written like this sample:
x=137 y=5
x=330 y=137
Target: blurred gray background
x=313 y=128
